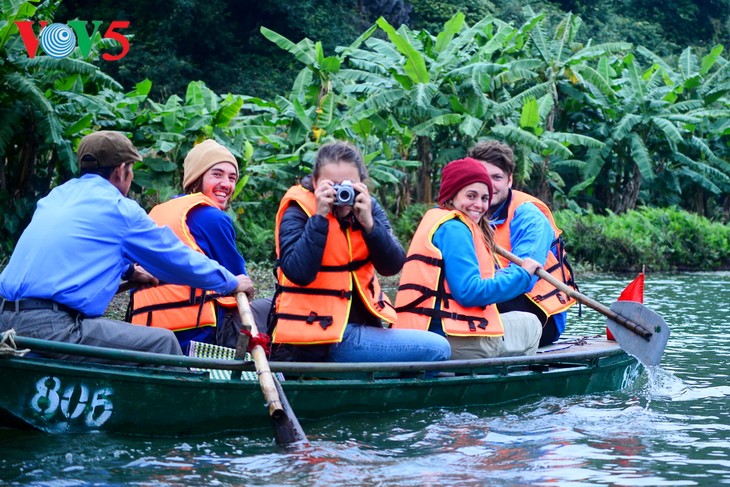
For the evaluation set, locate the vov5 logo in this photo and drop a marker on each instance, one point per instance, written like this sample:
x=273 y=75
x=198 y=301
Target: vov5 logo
x=58 y=40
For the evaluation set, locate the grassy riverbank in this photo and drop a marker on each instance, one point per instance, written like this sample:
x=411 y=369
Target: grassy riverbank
x=662 y=239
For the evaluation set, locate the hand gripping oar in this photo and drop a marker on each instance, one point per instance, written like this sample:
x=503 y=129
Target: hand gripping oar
x=287 y=429
x=637 y=329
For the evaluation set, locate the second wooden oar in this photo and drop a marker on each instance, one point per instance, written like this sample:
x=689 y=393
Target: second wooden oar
x=287 y=429
x=643 y=333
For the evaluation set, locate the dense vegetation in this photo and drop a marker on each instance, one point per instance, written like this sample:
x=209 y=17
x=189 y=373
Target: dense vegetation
x=600 y=125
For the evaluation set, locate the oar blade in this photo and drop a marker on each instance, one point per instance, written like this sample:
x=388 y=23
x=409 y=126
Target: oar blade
x=647 y=352
x=287 y=430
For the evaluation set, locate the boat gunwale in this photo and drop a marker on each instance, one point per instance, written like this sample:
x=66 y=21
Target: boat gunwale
x=156 y=359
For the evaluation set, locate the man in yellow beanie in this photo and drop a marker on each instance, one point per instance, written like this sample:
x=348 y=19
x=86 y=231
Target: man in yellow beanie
x=199 y=219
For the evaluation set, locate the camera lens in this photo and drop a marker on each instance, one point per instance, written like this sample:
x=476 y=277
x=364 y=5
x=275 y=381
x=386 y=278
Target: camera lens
x=345 y=195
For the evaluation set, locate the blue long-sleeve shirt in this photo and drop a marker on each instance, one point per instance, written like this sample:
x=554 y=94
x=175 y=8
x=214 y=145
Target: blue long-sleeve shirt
x=213 y=231
x=461 y=268
x=84 y=235
x=531 y=235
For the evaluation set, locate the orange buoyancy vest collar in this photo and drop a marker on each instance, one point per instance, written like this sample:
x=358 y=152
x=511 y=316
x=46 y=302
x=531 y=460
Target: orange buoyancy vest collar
x=424 y=293
x=543 y=294
x=318 y=312
x=173 y=306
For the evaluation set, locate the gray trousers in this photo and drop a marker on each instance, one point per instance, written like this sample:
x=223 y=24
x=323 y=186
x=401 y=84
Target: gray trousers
x=522 y=333
x=61 y=326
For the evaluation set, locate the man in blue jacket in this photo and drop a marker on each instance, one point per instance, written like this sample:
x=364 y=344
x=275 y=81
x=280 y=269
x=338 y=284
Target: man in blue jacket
x=83 y=237
x=524 y=225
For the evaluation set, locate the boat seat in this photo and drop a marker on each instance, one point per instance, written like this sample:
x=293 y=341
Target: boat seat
x=208 y=350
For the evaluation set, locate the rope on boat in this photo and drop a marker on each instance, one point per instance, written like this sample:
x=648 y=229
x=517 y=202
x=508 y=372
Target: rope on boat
x=8 y=347
x=566 y=344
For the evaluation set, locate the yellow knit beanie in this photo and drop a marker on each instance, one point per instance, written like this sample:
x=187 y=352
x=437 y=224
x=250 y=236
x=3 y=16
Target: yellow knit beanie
x=202 y=157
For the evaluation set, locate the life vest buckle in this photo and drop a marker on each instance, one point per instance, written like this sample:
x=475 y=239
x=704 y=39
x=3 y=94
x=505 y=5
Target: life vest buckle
x=472 y=327
x=483 y=323
x=312 y=317
x=560 y=298
x=326 y=322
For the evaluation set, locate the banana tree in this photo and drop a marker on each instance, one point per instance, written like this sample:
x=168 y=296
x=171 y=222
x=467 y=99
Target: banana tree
x=563 y=73
x=652 y=136
x=434 y=90
x=39 y=128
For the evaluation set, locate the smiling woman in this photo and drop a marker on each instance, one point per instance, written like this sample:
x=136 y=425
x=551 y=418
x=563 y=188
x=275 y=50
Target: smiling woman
x=449 y=285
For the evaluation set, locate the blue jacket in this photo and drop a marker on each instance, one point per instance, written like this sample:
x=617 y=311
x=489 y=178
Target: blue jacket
x=531 y=235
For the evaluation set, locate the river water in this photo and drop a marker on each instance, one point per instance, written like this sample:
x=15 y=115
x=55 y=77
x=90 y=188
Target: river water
x=670 y=428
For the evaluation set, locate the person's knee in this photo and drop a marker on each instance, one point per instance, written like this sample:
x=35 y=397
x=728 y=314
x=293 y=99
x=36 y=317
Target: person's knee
x=167 y=341
x=441 y=348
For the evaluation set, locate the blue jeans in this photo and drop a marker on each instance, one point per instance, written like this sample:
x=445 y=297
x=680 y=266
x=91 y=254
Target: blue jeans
x=362 y=343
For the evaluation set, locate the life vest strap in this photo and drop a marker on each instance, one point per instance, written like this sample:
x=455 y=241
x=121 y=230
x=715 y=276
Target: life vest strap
x=474 y=322
x=425 y=258
x=554 y=292
x=349 y=267
x=197 y=300
x=324 y=321
x=426 y=293
x=338 y=293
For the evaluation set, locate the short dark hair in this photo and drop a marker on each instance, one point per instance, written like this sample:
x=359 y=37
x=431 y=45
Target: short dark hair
x=336 y=152
x=105 y=171
x=494 y=152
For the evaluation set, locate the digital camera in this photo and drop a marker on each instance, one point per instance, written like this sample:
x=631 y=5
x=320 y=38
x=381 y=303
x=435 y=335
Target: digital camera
x=344 y=193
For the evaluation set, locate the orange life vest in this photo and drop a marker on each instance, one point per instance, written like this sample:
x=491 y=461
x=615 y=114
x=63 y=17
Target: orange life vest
x=543 y=294
x=173 y=306
x=317 y=313
x=423 y=292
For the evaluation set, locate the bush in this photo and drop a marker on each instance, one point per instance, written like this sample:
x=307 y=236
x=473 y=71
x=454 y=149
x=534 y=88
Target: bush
x=406 y=224
x=662 y=239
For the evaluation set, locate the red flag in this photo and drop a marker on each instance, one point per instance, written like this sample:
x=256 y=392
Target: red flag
x=633 y=292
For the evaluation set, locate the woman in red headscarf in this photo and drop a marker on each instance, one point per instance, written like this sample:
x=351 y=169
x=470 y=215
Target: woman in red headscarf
x=449 y=284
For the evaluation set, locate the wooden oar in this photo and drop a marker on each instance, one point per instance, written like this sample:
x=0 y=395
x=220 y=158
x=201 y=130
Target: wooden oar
x=287 y=429
x=637 y=329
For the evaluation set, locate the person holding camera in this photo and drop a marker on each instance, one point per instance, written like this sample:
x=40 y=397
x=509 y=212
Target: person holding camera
x=332 y=237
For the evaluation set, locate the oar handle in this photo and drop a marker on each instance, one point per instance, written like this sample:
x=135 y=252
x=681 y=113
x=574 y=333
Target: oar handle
x=581 y=298
x=266 y=378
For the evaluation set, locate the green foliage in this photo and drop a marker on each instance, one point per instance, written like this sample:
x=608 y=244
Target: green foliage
x=405 y=225
x=255 y=232
x=597 y=127
x=662 y=239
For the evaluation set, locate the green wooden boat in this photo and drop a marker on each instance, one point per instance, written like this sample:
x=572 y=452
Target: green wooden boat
x=162 y=395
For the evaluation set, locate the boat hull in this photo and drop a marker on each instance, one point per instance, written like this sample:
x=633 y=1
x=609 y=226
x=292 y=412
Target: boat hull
x=74 y=397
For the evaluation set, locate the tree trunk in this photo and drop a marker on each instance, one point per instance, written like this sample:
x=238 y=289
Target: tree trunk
x=543 y=187
x=424 y=189
x=628 y=193
x=726 y=209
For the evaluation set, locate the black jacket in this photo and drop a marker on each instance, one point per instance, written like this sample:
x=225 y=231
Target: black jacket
x=301 y=246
